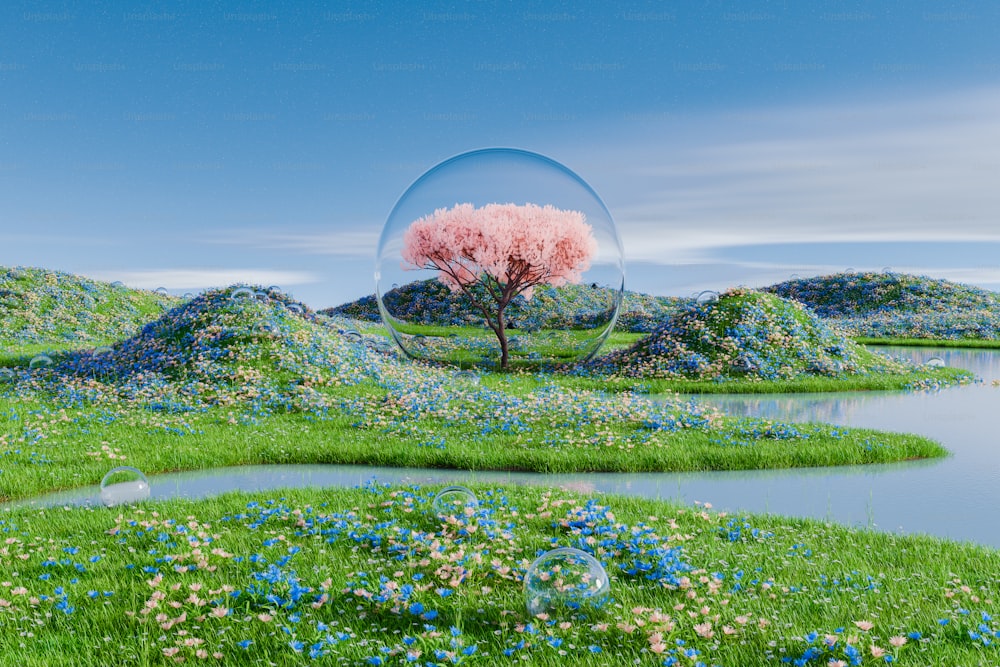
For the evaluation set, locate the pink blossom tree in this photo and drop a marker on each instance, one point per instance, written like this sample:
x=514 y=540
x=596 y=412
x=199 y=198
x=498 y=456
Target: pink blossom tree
x=505 y=249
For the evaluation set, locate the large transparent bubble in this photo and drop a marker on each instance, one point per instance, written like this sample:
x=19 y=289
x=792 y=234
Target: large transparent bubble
x=124 y=485
x=564 y=582
x=557 y=324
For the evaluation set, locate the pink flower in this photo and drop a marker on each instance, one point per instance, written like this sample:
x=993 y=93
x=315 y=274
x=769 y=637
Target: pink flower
x=705 y=630
x=897 y=641
x=864 y=626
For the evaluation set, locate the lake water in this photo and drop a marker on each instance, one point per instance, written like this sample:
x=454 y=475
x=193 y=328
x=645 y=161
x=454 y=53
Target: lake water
x=953 y=497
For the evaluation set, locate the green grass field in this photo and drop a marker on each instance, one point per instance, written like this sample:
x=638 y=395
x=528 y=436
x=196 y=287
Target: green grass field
x=373 y=576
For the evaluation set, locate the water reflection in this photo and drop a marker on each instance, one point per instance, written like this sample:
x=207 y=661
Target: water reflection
x=945 y=497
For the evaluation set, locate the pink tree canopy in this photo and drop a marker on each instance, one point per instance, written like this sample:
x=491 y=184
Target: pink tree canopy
x=528 y=245
x=507 y=248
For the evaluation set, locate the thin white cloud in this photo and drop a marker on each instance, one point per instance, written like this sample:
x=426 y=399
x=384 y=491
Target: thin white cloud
x=910 y=170
x=193 y=279
x=340 y=243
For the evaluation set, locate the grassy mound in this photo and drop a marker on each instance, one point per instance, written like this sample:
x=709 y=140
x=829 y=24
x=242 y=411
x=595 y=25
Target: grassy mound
x=746 y=335
x=216 y=349
x=38 y=306
x=430 y=302
x=894 y=305
x=218 y=381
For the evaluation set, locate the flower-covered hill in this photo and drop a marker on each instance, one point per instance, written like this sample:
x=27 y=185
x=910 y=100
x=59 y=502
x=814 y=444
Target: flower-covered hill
x=897 y=305
x=39 y=306
x=430 y=302
x=745 y=335
x=224 y=347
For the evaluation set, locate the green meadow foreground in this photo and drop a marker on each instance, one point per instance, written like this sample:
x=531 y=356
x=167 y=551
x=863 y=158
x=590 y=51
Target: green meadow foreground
x=373 y=576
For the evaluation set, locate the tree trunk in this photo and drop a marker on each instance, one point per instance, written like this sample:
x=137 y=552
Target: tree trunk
x=502 y=335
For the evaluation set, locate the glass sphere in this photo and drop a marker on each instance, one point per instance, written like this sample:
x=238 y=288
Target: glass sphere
x=453 y=501
x=241 y=294
x=934 y=362
x=708 y=296
x=124 y=485
x=40 y=361
x=351 y=336
x=460 y=323
x=565 y=581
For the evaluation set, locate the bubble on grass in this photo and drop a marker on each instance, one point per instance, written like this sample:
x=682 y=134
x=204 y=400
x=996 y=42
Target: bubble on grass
x=935 y=362
x=794 y=276
x=124 y=485
x=102 y=350
x=40 y=361
x=588 y=302
x=708 y=296
x=266 y=328
x=454 y=501
x=7 y=374
x=261 y=296
x=294 y=308
x=275 y=289
x=119 y=284
x=564 y=582
x=241 y=294
x=162 y=291
x=351 y=335
x=468 y=376
x=188 y=295
x=849 y=271
x=887 y=269
x=384 y=346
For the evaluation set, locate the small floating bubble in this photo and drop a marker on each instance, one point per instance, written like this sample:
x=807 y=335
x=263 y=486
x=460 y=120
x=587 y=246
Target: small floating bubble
x=395 y=286
x=265 y=328
x=468 y=376
x=241 y=294
x=708 y=296
x=454 y=501
x=565 y=581
x=40 y=361
x=935 y=362
x=124 y=485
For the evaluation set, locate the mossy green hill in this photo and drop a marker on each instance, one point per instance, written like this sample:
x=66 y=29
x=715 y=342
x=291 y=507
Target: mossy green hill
x=849 y=294
x=746 y=335
x=899 y=306
x=430 y=302
x=44 y=307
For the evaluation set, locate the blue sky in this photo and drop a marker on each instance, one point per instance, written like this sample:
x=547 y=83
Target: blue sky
x=195 y=144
